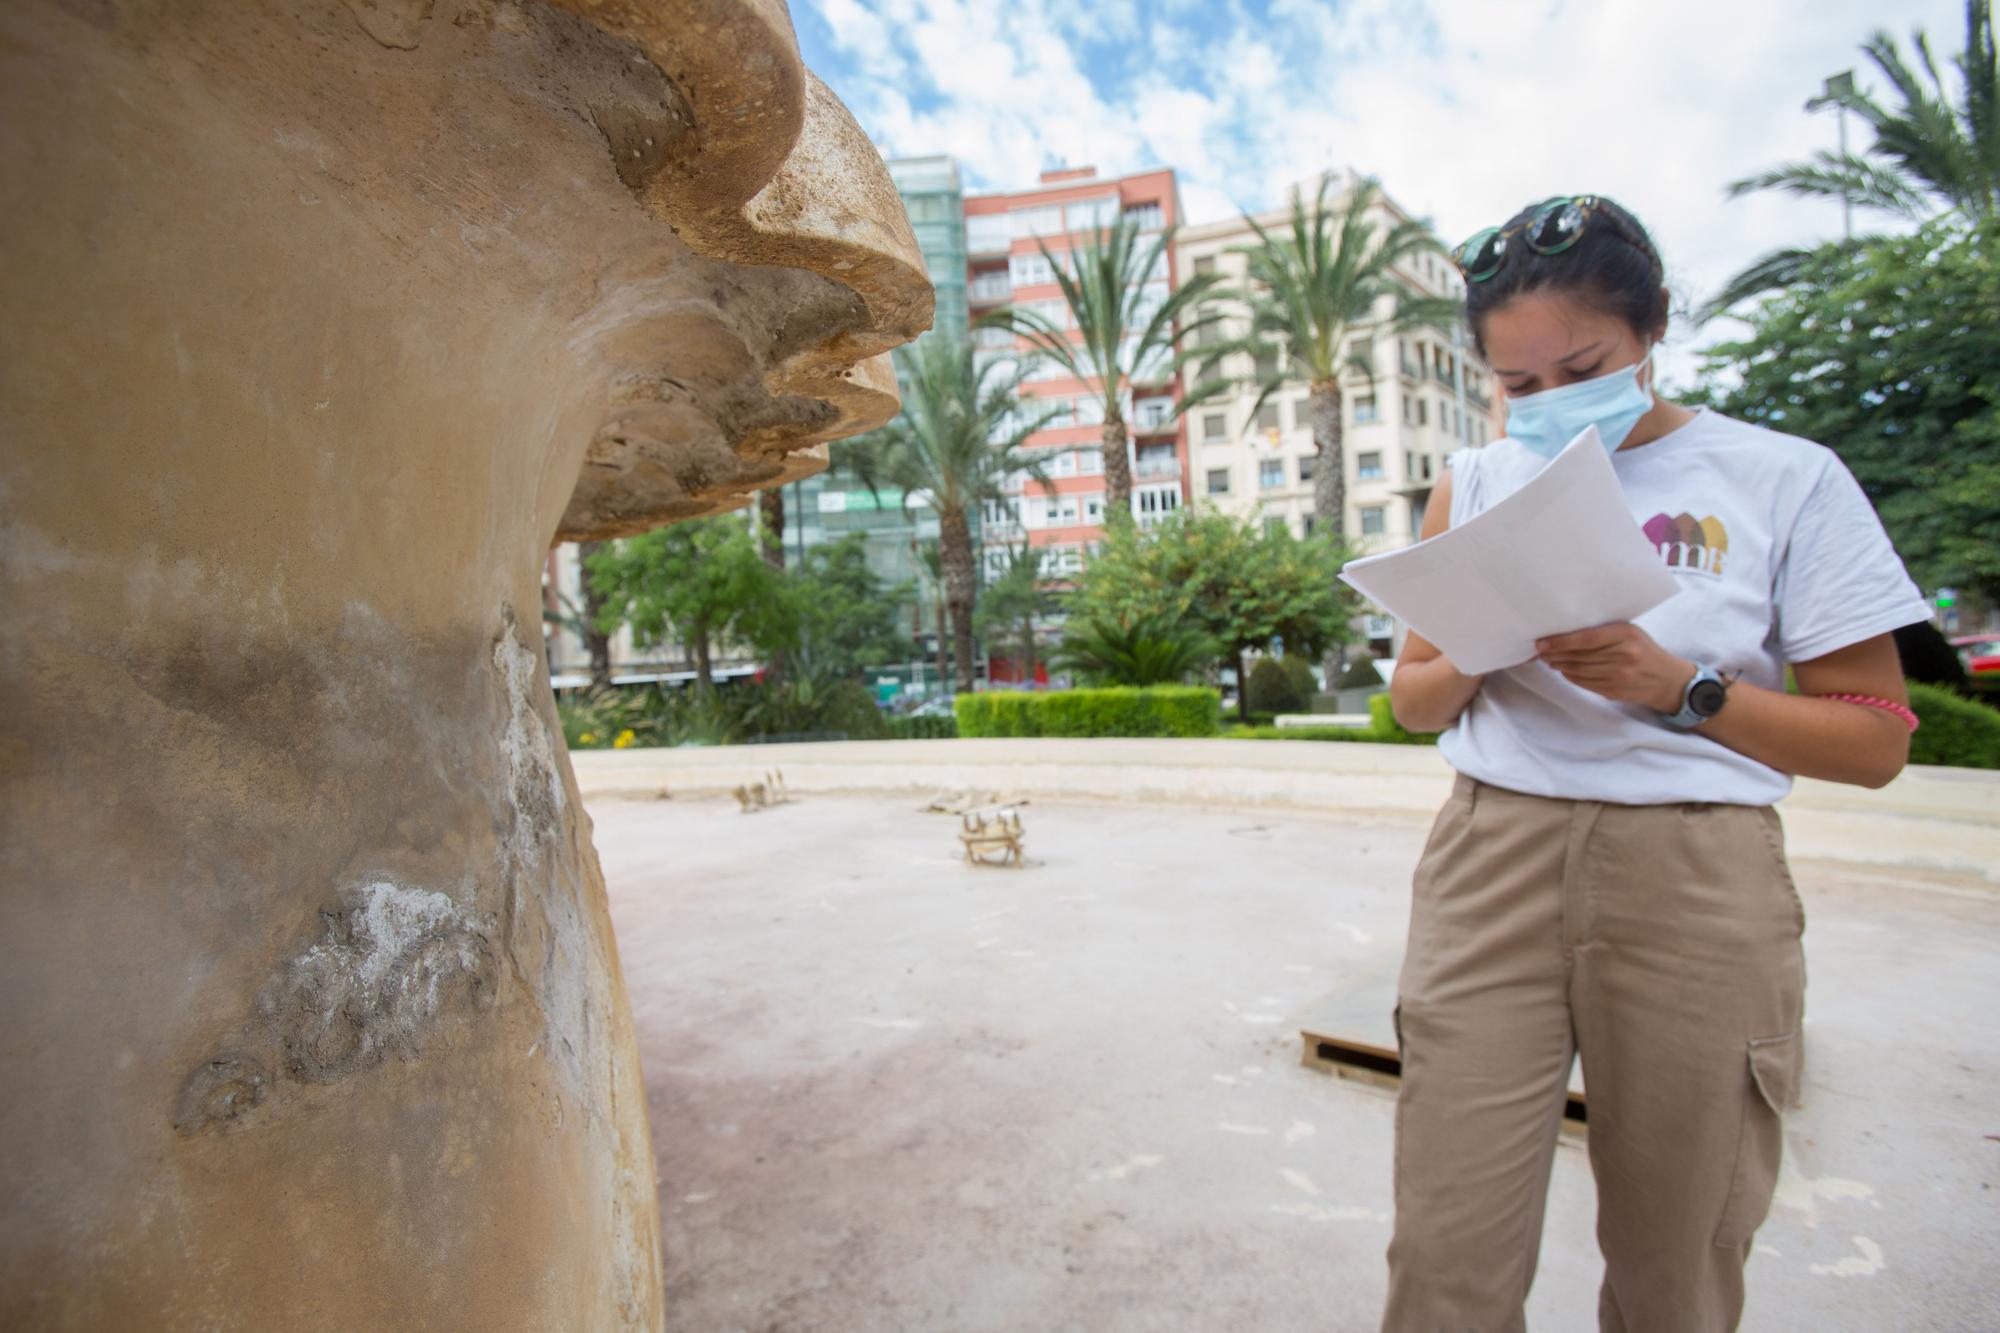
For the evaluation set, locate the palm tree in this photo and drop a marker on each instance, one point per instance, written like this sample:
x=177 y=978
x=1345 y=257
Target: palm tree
x=958 y=441
x=1930 y=154
x=1143 y=650
x=1125 y=337
x=1310 y=286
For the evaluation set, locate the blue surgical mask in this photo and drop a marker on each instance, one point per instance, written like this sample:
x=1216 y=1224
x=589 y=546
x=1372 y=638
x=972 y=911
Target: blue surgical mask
x=1546 y=422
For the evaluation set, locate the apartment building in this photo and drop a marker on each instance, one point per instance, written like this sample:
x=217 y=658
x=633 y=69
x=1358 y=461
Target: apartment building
x=1004 y=237
x=1428 y=395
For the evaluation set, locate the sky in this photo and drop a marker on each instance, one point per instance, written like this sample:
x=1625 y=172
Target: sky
x=1465 y=109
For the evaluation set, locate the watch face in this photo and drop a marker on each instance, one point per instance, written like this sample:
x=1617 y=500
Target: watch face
x=1706 y=697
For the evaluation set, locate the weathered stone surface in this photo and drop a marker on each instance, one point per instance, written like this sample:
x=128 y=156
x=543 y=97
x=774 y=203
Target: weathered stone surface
x=318 y=322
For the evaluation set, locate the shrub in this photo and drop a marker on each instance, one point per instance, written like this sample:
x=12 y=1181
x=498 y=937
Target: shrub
x=923 y=728
x=1159 y=710
x=1273 y=689
x=1142 y=650
x=1360 y=675
x=1958 y=732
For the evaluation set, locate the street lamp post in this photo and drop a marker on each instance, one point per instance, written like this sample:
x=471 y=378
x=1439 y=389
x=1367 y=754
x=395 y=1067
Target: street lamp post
x=1839 y=88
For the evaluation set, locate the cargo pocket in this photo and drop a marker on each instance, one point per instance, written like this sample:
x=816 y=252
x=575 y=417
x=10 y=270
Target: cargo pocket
x=1773 y=1089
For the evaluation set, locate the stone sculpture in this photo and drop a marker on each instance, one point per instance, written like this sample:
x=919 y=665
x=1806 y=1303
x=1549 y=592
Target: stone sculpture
x=318 y=322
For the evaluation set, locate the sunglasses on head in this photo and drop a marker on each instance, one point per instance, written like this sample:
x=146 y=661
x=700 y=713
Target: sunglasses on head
x=1555 y=227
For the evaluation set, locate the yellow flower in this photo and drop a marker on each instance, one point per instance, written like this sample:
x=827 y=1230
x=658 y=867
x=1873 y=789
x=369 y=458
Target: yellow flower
x=624 y=739
x=588 y=738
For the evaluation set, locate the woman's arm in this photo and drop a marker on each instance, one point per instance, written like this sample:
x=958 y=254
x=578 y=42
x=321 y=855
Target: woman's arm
x=1798 y=734
x=1427 y=692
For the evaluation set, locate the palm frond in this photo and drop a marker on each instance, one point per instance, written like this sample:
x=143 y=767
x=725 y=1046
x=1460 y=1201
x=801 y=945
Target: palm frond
x=1778 y=269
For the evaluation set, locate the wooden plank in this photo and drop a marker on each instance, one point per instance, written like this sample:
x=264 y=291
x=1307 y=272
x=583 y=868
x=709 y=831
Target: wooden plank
x=1351 y=1032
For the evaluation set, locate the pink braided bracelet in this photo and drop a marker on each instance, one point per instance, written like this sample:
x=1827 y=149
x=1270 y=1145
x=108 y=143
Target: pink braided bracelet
x=1886 y=705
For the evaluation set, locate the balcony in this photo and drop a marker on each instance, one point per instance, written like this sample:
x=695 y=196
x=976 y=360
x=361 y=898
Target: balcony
x=1157 y=469
x=1166 y=425
x=992 y=289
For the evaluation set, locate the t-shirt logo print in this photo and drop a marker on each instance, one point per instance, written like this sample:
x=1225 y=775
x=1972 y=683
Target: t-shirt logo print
x=1687 y=543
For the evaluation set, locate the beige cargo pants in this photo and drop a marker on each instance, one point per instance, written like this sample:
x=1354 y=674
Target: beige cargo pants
x=1659 y=943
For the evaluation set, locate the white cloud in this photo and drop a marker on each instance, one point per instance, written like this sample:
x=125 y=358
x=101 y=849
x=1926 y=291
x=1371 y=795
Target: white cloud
x=1466 y=109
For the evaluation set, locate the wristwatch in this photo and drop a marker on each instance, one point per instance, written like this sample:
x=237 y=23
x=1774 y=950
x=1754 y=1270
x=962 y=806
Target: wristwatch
x=1702 y=700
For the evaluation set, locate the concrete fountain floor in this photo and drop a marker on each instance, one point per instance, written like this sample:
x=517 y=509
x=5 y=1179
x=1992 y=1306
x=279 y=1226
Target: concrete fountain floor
x=893 y=1092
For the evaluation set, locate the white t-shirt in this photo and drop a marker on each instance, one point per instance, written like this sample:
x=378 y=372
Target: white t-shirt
x=1780 y=558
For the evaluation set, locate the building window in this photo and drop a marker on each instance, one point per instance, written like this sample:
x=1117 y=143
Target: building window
x=1090 y=462
x=1368 y=465
x=1409 y=413
x=1267 y=417
x=1423 y=413
x=1152 y=412
x=1214 y=426
x=1267 y=365
x=1092 y=214
x=988 y=232
x=1047 y=221
x=1146 y=217
x=1306 y=462
x=1028 y=269
x=1205 y=264
x=1374 y=520
x=1271 y=473
x=1218 y=481
x=1365 y=410
x=1093 y=509
x=1362 y=350
x=1159 y=501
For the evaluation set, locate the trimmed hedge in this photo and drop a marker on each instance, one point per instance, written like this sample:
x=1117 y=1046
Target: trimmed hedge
x=1958 y=732
x=926 y=728
x=1157 y=710
x=1382 y=729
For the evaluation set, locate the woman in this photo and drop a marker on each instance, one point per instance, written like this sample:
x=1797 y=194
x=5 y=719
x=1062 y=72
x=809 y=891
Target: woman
x=1608 y=878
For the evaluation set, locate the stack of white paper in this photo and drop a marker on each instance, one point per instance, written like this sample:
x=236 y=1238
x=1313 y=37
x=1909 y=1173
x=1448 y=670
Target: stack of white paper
x=1562 y=553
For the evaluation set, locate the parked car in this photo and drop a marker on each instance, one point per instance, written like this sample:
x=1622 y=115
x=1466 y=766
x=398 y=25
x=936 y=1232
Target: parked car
x=1980 y=653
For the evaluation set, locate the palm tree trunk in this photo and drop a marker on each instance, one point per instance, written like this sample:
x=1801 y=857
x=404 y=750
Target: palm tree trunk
x=771 y=504
x=595 y=641
x=943 y=639
x=1329 y=490
x=1242 y=689
x=698 y=640
x=961 y=586
x=1117 y=471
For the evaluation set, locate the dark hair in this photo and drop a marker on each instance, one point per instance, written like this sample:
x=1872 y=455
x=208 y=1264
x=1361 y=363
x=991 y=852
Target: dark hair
x=1614 y=267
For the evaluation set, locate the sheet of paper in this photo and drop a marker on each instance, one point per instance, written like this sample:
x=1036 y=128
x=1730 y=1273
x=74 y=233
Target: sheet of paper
x=1562 y=553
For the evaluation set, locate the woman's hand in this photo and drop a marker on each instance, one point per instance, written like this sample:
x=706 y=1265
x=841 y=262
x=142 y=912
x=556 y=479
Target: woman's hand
x=1620 y=662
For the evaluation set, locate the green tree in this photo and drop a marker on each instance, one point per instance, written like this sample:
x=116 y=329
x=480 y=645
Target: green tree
x=1310 y=286
x=1236 y=581
x=843 y=617
x=702 y=581
x=957 y=442
x=1142 y=650
x=1125 y=334
x=1011 y=602
x=1891 y=357
x=1932 y=152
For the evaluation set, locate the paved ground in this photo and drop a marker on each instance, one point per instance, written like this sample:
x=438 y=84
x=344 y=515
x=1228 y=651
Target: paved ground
x=891 y=1092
